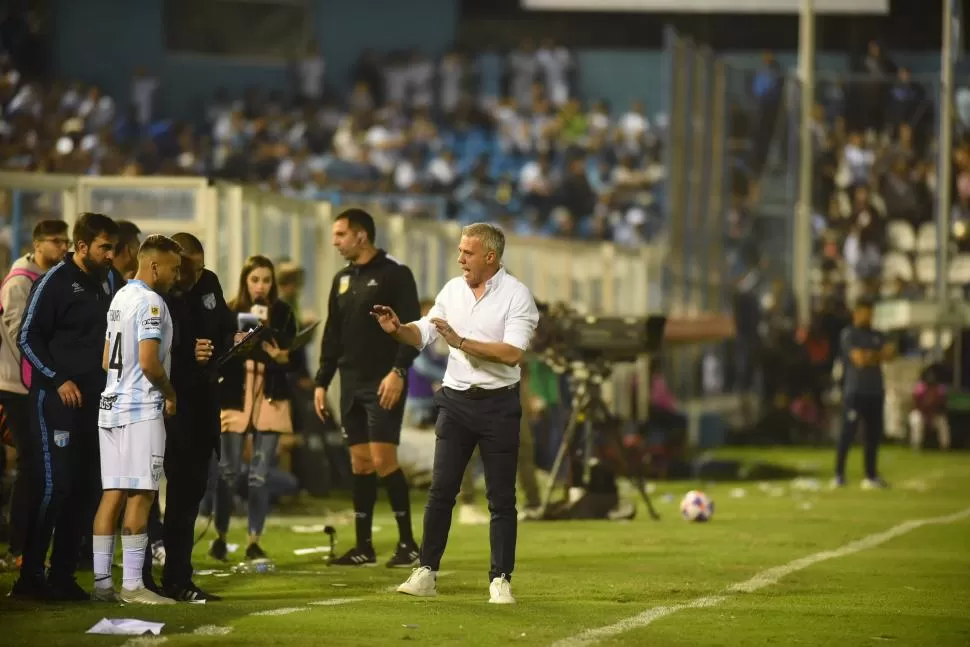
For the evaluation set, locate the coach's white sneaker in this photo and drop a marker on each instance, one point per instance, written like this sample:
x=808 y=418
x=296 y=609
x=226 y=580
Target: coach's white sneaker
x=500 y=591
x=422 y=583
x=143 y=596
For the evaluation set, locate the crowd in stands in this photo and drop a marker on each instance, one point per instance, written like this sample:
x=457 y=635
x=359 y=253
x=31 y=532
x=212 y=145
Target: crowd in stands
x=499 y=137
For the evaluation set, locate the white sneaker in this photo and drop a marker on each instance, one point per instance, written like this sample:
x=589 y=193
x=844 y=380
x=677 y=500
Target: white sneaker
x=470 y=515
x=422 y=583
x=500 y=591
x=143 y=596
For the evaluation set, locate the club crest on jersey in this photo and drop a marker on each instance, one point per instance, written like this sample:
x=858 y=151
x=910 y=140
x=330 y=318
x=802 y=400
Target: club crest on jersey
x=62 y=438
x=155 y=310
x=209 y=301
x=344 y=284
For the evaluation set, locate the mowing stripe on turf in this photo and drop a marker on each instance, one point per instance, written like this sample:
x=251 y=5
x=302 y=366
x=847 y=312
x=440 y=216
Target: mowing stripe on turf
x=759 y=581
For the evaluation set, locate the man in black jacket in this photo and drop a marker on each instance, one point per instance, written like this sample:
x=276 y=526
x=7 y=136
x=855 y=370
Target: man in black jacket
x=204 y=328
x=62 y=336
x=373 y=372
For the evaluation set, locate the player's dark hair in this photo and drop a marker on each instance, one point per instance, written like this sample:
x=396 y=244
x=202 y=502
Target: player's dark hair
x=359 y=220
x=190 y=244
x=159 y=243
x=48 y=228
x=243 y=302
x=128 y=233
x=90 y=225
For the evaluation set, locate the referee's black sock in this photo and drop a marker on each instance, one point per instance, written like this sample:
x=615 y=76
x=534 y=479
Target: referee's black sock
x=397 y=492
x=365 y=496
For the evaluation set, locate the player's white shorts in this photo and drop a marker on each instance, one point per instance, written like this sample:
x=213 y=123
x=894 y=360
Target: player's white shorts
x=132 y=455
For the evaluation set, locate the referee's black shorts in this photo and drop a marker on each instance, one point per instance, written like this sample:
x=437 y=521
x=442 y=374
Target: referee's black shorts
x=363 y=419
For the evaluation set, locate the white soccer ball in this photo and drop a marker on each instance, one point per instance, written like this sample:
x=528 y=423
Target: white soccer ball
x=696 y=506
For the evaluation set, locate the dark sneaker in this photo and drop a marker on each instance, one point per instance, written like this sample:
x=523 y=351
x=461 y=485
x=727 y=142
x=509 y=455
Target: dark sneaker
x=190 y=593
x=218 y=550
x=356 y=557
x=29 y=589
x=67 y=591
x=406 y=556
x=253 y=551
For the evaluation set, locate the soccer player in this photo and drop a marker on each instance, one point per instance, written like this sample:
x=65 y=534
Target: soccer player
x=137 y=396
x=864 y=350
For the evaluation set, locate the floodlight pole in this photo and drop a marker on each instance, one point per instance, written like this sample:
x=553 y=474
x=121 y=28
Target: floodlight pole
x=802 y=231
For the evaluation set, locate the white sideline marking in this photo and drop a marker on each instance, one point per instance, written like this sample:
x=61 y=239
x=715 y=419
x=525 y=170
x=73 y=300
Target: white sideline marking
x=282 y=611
x=144 y=641
x=333 y=602
x=212 y=630
x=759 y=581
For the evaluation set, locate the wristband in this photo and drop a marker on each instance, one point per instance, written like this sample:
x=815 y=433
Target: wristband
x=461 y=342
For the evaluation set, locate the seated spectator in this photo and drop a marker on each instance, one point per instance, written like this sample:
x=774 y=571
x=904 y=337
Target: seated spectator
x=929 y=410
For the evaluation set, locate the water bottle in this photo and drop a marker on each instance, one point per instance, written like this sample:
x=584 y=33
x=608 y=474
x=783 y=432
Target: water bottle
x=254 y=566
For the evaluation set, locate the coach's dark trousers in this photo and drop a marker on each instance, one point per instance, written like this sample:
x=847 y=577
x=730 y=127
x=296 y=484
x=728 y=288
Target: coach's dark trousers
x=67 y=482
x=189 y=445
x=490 y=421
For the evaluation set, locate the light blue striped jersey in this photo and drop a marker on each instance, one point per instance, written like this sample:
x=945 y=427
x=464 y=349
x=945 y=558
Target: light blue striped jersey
x=137 y=313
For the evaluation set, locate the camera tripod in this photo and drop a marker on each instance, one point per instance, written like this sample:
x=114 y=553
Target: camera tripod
x=589 y=410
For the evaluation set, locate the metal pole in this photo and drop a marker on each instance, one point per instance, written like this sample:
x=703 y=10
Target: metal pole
x=802 y=244
x=944 y=166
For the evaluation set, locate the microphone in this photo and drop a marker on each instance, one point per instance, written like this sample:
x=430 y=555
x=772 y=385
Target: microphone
x=260 y=309
x=258 y=314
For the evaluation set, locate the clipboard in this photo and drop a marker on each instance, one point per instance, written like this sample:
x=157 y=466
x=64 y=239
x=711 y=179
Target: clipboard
x=245 y=345
x=304 y=337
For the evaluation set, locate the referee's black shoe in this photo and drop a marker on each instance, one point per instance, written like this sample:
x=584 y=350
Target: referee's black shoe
x=356 y=556
x=190 y=593
x=406 y=556
x=29 y=589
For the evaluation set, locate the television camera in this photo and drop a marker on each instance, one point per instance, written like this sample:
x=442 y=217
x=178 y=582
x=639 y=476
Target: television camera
x=584 y=348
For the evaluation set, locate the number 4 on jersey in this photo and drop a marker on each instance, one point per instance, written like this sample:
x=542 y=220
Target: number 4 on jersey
x=114 y=363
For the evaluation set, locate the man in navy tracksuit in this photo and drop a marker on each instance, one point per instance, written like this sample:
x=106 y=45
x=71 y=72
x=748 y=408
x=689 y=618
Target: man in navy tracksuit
x=62 y=336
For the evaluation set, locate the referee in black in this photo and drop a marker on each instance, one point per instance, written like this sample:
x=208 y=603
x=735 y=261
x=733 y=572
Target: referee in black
x=62 y=336
x=373 y=379
x=204 y=328
x=488 y=317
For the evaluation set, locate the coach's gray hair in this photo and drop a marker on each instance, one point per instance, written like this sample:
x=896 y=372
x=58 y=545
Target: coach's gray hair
x=493 y=238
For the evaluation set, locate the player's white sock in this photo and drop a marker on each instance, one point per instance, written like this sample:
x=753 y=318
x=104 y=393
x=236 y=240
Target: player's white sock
x=104 y=550
x=133 y=560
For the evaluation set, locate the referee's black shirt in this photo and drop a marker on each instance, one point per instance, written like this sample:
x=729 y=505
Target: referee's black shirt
x=352 y=339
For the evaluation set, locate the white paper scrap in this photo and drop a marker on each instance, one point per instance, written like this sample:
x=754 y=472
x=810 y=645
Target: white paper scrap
x=126 y=627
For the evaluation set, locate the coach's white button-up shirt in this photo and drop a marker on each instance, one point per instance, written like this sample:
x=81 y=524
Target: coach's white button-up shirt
x=506 y=313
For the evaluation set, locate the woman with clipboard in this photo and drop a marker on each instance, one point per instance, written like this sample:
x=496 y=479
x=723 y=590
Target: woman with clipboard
x=255 y=399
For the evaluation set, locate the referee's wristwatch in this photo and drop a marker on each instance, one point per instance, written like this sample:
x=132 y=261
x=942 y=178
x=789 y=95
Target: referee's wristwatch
x=401 y=373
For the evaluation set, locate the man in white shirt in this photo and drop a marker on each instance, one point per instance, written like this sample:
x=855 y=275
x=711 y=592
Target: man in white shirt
x=488 y=318
x=137 y=396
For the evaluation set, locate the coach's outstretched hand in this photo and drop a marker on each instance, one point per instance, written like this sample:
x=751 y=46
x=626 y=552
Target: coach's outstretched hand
x=320 y=403
x=387 y=319
x=70 y=395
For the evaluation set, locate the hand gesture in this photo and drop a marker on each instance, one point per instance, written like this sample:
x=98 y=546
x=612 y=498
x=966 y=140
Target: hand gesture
x=70 y=395
x=387 y=319
x=169 y=408
x=447 y=332
x=203 y=351
x=390 y=390
x=320 y=402
x=238 y=337
x=272 y=349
